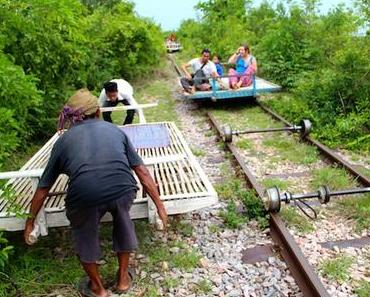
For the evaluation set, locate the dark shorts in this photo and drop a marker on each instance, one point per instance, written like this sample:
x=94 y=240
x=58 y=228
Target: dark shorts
x=85 y=228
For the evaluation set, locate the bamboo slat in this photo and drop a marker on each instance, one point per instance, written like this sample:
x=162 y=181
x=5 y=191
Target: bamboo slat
x=176 y=179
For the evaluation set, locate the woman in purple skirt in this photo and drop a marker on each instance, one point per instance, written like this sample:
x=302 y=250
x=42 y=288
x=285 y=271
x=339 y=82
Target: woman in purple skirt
x=245 y=68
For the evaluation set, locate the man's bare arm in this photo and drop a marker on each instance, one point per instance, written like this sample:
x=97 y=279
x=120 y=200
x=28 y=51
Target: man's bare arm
x=36 y=204
x=151 y=188
x=184 y=68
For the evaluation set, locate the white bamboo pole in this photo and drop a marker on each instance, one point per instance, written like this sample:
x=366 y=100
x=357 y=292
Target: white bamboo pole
x=38 y=172
x=128 y=107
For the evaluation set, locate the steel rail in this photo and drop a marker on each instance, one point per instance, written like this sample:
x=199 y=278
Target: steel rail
x=359 y=176
x=306 y=278
x=177 y=69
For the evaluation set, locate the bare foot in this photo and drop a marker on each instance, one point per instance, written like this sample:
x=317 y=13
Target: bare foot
x=124 y=282
x=239 y=84
x=87 y=288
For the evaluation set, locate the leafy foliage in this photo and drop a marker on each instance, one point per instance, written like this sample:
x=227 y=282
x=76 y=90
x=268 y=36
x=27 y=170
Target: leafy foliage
x=363 y=289
x=337 y=268
x=252 y=207
x=231 y=217
x=323 y=59
x=123 y=44
x=358 y=209
x=50 y=48
x=5 y=250
x=19 y=106
x=296 y=221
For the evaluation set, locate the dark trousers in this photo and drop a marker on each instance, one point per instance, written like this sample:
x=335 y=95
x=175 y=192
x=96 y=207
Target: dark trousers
x=85 y=227
x=199 y=83
x=186 y=83
x=107 y=114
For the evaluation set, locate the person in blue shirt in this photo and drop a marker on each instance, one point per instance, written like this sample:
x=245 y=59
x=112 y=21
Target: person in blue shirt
x=216 y=59
x=99 y=159
x=245 y=68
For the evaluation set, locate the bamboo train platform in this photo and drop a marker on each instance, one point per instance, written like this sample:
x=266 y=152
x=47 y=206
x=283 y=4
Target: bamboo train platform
x=259 y=86
x=182 y=184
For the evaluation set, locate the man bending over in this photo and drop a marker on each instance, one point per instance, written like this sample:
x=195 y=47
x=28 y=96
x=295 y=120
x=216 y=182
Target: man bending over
x=114 y=92
x=98 y=158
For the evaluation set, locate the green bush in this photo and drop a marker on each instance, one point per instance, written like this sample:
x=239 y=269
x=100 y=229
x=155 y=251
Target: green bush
x=50 y=48
x=19 y=107
x=253 y=205
x=231 y=217
x=321 y=58
x=8 y=134
x=46 y=38
x=5 y=251
x=293 y=109
x=124 y=45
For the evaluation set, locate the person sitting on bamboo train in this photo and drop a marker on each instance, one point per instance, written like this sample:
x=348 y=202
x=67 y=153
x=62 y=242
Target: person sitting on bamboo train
x=216 y=60
x=100 y=181
x=203 y=69
x=114 y=92
x=245 y=68
x=222 y=82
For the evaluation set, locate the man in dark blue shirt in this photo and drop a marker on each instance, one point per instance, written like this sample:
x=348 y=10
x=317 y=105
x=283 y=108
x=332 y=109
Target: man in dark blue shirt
x=99 y=159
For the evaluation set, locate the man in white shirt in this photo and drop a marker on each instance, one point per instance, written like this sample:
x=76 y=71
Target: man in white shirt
x=114 y=92
x=194 y=82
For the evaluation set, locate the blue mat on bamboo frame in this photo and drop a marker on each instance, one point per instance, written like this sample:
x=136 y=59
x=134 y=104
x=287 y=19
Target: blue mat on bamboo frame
x=148 y=136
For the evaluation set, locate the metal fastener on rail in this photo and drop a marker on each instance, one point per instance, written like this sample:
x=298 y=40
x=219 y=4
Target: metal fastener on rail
x=304 y=128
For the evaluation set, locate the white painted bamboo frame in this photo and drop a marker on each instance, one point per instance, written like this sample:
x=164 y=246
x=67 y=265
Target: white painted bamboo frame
x=128 y=107
x=201 y=193
x=133 y=106
x=36 y=173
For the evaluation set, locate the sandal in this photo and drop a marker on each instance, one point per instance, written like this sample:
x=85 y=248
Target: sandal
x=131 y=275
x=85 y=290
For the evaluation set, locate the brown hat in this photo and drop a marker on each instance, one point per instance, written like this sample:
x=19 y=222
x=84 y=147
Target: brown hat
x=84 y=101
x=81 y=104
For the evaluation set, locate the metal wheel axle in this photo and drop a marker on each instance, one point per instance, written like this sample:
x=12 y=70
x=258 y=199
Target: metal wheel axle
x=304 y=128
x=273 y=196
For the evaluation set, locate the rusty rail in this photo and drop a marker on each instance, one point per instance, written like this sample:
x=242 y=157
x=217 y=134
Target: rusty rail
x=306 y=278
x=177 y=69
x=359 y=176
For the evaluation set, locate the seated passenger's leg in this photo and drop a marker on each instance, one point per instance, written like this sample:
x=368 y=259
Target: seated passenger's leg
x=225 y=83
x=233 y=79
x=204 y=87
x=247 y=78
x=186 y=84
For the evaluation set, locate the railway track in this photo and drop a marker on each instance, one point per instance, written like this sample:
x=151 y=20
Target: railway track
x=303 y=272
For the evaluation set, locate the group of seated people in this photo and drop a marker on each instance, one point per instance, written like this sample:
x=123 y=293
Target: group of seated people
x=245 y=66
